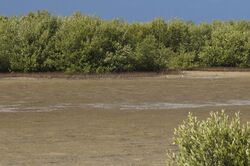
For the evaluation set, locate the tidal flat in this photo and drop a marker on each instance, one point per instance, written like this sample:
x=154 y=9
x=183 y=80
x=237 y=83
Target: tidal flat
x=111 y=121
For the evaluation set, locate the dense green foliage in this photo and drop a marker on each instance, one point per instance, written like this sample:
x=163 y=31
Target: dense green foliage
x=216 y=141
x=78 y=43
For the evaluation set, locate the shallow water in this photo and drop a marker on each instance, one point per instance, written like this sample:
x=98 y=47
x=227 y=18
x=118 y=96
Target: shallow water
x=136 y=94
x=123 y=106
x=109 y=121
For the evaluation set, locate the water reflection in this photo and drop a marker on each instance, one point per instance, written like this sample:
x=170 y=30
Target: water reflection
x=122 y=106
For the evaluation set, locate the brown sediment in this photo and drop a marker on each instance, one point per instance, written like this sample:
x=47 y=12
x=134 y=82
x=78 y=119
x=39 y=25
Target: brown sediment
x=53 y=126
x=200 y=72
x=51 y=75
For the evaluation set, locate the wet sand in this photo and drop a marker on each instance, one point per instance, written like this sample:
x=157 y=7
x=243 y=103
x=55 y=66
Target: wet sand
x=58 y=122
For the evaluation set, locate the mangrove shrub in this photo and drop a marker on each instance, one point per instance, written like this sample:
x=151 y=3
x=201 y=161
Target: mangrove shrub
x=219 y=141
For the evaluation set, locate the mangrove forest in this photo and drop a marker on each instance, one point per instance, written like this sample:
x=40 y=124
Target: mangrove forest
x=42 y=42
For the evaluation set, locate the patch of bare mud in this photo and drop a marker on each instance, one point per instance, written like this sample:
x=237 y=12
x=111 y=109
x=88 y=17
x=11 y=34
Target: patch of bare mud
x=214 y=74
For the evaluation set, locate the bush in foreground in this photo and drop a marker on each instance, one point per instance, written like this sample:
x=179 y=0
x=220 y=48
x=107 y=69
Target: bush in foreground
x=217 y=141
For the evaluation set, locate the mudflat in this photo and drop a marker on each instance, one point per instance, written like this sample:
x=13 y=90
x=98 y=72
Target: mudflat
x=112 y=121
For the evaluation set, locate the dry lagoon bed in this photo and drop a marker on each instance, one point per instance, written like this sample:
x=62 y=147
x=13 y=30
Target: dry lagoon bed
x=98 y=122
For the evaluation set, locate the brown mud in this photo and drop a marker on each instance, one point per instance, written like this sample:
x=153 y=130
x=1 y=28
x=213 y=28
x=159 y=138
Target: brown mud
x=57 y=122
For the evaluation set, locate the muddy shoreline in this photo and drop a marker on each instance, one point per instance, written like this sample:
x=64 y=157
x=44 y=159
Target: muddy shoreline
x=52 y=75
x=206 y=72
